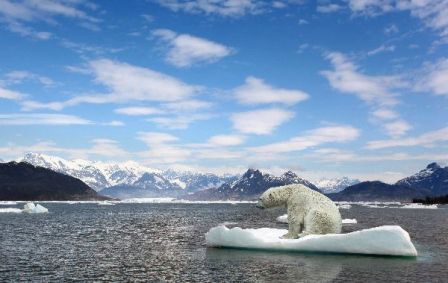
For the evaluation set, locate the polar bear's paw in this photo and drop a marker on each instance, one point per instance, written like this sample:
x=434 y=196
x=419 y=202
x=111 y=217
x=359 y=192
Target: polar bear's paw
x=289 y=236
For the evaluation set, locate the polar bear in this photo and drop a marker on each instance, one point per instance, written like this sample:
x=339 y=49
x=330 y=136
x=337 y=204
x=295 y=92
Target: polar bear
x=309 y=212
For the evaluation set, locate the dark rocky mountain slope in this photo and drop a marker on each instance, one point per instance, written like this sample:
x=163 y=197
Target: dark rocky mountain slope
x=23 y=181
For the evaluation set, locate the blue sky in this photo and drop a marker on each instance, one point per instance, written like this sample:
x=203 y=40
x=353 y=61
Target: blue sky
x=327 y=88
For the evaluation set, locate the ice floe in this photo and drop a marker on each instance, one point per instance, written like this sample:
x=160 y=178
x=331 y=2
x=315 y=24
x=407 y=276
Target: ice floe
x=28 y=208
x=420 y=206
x=31 y=208
x=284 y=219
x=10 y=210
x=105 y=203
x=8 y=203
x=383 y=240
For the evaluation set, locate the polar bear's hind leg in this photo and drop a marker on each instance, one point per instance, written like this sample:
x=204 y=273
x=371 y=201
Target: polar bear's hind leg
x=319 y=222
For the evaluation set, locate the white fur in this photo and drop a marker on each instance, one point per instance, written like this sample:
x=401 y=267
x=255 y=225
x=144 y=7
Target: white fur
x=309 y=212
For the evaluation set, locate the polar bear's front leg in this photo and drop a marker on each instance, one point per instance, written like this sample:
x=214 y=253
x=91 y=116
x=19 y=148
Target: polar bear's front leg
x=295 y=225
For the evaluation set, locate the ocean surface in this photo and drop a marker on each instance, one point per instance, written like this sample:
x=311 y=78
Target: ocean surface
x=165 y=242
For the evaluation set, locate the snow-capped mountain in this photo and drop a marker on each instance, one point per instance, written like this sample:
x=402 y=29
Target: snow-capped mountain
x=335 y=185
x=250 y=185
x=148 y=185
x=195 y=181
x=96 y=174
x=433 y=177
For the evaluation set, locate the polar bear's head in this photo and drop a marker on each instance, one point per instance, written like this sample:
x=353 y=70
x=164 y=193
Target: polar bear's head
x=274 y=197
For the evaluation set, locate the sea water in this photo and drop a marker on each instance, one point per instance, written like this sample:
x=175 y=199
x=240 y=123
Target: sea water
x=166 y=242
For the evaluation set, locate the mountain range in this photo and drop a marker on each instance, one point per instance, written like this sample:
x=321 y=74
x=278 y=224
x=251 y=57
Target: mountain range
x=130 y=179
x=249 y=186
x=429 y=182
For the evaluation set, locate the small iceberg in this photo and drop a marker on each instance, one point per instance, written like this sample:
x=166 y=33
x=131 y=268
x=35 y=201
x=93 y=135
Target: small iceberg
x=284 y=219
x=344 y=206
x=31 y=208
x=384 y=240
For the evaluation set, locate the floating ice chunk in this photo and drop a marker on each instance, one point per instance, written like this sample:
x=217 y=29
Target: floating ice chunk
x=383 y=240
x=284 y=219
x=31 y=208
x=344 y=206
x=420 y=206
x=10 y=210
x=8 y=203
x=105 y=203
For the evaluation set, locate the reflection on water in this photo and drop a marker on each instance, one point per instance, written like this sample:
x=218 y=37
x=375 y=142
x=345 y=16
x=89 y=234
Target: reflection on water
x=165 y=242
x=277 y=266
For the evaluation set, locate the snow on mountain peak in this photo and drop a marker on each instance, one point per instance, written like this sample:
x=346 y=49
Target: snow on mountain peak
x=335 y=185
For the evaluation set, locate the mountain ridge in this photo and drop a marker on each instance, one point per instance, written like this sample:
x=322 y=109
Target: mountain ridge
x=24 y=181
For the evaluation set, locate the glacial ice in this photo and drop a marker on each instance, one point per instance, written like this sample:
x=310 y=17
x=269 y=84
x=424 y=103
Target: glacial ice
x=384 y=240
x=31 y=208
x=284 y=219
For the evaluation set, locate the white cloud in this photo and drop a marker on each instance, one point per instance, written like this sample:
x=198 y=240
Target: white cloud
x=10 y=94
x=385 y=114
x=41 y=119
x=279 y=4
x=153 y=138
x=217 y=154
x=125 y=83
x=22 y=119
x=260 y=122
x=330 y=134
x=436 y=79
x=17 y=77
x=391 y=29
x=137 y=111
x=226 y=140
x=377 y=91
x=186 y=50
x=372 y=89
x=181 y=121
x=16 y=14
x=434 y=13
x=189 y=105
x=160 y=148
x=397 y=128
x=380 y=49
x=256 y=91
x=100 y=148
x=225 y=8
x=427 y=139
x=303 y=22
x=328 y=8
